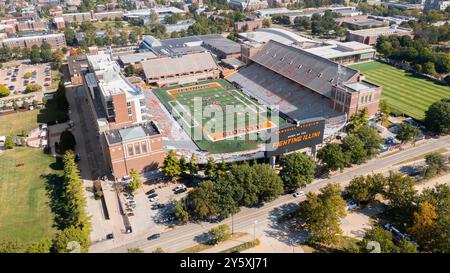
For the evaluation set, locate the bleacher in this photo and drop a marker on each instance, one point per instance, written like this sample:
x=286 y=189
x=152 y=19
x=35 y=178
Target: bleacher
x=272 y=89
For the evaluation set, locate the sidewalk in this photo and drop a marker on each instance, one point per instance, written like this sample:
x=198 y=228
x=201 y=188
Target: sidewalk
x=228 y=244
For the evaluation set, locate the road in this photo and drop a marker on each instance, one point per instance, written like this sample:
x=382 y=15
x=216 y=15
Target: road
x=182 y=237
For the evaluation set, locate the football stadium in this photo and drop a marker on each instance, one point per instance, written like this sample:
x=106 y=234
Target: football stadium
x=217 y=116
x=284 y=99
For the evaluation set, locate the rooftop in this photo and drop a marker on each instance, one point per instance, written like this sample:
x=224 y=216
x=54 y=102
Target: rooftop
x=136 y=57
x=337 y=49
x=110 y=80
x=134 y=132
x=280 y=35
x=380 y=31
x=158 y=67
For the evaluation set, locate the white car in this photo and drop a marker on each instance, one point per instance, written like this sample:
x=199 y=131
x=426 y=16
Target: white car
x=153 y=199
x=299 y=193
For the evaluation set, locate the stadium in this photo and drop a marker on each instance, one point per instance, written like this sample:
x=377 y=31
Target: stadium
x=284 y=91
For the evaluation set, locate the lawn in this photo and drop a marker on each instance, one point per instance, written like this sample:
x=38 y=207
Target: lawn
x=13 y=124
x=246 y=130
x=25 y=213
x=404 y=92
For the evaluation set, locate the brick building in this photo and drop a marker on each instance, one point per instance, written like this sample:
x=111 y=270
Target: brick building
x=129 y=140
x=370 y=36
x=56 y=41
x=138 y=147
x=248 y=25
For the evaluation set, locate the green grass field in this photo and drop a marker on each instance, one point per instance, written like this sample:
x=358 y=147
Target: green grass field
x=218 y=140
x=25 y=213
x=404 y=92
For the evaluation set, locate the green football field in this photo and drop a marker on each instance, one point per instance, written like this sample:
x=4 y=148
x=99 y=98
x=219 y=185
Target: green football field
x=404 y=92
x=222 y=131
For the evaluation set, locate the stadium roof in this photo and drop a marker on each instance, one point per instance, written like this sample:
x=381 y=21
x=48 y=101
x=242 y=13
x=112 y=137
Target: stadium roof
x=280 y=35
x=155 y=68
x=309 y=70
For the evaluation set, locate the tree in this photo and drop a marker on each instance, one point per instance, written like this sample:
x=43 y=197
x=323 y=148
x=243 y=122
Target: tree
x=322 y=214
x=27 y=75
x=227 y=195
x=437 y=117
x=193 y=166
x=15 y=105
x=183 y=165
x=136 y=182
x=382 y=237
x=9 y=142
x=46 y=52
x=385 y=111
x=69 y=35
x=357 y=120
x=371 y=139
x=219 y=234
x=332 y=157
x=428 y=68
x=11 y=246
x=401 y=194
x=4 y=91
x=171 y=166
x=35 y=103
x=436 y=163
x=423 y=223
x=407 y=132
x=69 y=239
x=358 y=189
x=33 y=87
x=211 y=168
x=266 y=23
x=66 y=142
x=353 y=146
x=246 y=190
x=297 y=170
x=202 y=202
x=180 y=212
x=269 y=183
x=25 y=104
x=35 y=54
x=43 y=246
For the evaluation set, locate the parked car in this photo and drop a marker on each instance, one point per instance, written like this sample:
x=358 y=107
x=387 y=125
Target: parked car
x=351 y=205
x=154 y=199
x=126 y=179
x=154 y=236
x=299 y=193
x=153 y=195
x=150 y=191
x=180 y=190
x=109 y=236
x=182 y=186
x=130 y=214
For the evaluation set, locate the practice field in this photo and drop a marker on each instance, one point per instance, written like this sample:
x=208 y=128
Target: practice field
x=203 y=111
x=25 y=214
x=404 y=92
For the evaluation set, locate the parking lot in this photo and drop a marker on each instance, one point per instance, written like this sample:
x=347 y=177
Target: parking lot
x=17 y=78
x=153 y=216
